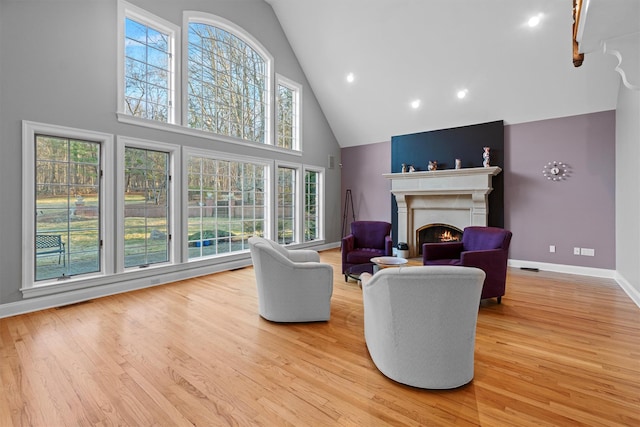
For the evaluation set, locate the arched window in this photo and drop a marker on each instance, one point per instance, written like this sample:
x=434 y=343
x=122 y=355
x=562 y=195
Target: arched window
x=228 y=75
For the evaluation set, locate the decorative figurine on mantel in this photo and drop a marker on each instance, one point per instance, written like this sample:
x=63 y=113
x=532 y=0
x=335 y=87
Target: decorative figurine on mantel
x=486 y=157
x=411 y=168
x=458 y=164
x=404 y=168
x=433 y=165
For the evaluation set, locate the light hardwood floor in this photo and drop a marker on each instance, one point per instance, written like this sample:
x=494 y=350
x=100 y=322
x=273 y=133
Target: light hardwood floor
x=560 y=350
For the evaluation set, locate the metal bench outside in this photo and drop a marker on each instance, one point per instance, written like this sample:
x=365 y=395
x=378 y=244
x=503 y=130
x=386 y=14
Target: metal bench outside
x=47 y=244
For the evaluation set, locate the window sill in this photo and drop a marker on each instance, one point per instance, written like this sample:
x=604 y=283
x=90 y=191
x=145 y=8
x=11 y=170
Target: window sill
x=168 y=127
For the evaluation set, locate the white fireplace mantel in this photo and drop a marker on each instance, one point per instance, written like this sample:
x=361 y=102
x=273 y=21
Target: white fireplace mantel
x=455 y=197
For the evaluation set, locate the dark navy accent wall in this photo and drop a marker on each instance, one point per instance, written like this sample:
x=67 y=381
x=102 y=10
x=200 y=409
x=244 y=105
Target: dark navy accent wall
x=444 y=146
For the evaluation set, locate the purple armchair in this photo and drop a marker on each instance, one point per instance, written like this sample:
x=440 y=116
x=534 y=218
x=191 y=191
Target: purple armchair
x=484 y=247
x=368 y=239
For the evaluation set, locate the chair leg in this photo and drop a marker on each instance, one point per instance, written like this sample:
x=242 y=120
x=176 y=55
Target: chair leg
x=499 y=300
x=346 y=278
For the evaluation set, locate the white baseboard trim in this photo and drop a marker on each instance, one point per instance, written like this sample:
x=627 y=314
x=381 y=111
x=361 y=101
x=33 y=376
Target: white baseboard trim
x=563 y=268
x=327 y=246
x=633 y=293
x=627 y=287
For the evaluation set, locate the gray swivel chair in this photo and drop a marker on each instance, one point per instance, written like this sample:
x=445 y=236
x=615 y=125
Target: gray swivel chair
x=420 y=323
x=293 y=285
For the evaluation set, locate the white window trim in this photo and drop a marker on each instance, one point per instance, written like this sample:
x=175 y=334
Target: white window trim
x=127 y=10
x=107 y=223
x=269 y=190
x=177 y=129
x=297 y=89
x=321 y=198
x=174 y=184
x=298 y=236
x=217 y=21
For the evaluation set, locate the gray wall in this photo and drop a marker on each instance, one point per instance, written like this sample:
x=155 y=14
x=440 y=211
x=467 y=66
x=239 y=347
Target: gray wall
x=58 y=66
x=577 y=212
x=628 y=188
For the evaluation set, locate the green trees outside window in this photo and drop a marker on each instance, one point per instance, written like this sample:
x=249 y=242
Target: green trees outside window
x=311 y=205
x=286 y=206
x=67 y=207
x=146 y=207
x=226 y=205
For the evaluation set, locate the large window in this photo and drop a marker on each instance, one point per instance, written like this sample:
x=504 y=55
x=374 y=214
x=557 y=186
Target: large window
x=227 y=81
x=63 y=201
x=287 y=206
x=287 y=113
x=149 y=63
x=67 y=201
x=312 y=208
x=146 y=207
x=226 y=204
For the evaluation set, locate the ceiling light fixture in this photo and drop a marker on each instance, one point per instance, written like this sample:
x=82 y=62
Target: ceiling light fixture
x=415 y=104
x=534 y=20
x=462 y=93
x=350 y=77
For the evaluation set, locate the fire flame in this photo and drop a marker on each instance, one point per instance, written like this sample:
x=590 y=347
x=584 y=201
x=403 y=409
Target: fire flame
x=448 y=237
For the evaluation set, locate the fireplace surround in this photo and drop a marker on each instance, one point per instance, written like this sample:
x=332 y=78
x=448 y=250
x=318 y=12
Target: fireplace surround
x=455 y=197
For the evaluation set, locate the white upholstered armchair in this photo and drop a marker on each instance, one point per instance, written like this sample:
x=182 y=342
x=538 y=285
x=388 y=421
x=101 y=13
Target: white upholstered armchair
x=293 y=285
x=420 y=323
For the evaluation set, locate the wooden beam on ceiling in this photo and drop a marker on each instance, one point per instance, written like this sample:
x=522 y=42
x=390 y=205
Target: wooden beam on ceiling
x=578 y=57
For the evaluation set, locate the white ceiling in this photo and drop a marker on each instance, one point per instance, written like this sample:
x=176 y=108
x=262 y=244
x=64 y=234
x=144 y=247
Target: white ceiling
x=402 y=50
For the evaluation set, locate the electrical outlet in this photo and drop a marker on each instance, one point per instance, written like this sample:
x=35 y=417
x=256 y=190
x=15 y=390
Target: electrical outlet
x=576 y=251
x=588 y=252
x=552 y=248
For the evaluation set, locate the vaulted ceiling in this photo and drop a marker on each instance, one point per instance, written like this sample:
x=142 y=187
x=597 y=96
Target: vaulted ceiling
x=400 y=51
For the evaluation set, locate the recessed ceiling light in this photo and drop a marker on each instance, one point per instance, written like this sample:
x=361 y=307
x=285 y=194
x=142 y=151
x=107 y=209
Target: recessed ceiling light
x=462 y=93
x=350 y=77
x=534 y=20
x=415 y=104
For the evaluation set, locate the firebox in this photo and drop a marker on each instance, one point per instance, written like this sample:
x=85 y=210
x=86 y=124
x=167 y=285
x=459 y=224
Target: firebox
x=437 y=233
